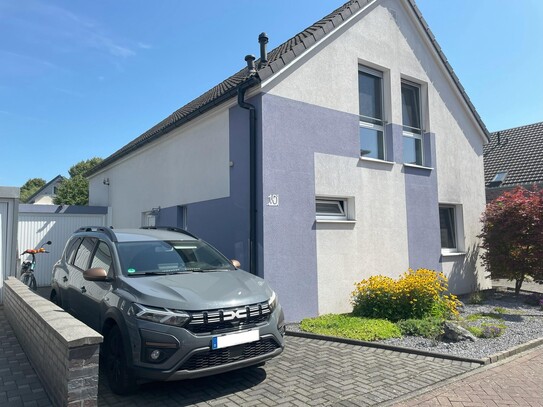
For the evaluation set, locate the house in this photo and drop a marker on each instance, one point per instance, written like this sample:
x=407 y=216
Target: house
x=349 y=150
x=46 y=194
x=513 y=158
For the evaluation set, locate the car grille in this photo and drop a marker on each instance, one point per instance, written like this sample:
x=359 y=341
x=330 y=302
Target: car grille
x=220 y=357
x=224 y=320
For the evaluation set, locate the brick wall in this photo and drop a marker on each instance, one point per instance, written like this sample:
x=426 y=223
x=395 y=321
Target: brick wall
x=63 y=351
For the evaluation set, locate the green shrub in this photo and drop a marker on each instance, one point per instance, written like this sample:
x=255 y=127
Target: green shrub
x=348 y=326
x=428 y=327
x=415 y=295
x=476 y=298
x=483 y=315
x=487 y=330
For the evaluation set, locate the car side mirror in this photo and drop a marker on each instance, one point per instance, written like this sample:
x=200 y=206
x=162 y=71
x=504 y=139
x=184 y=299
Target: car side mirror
x=95 y=274
x=236 y=264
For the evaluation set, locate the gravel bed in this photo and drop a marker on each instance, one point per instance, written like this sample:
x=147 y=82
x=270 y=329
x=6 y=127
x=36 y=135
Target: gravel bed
x=524 y=323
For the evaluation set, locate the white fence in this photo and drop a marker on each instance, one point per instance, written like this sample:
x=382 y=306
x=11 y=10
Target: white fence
x=40 y=223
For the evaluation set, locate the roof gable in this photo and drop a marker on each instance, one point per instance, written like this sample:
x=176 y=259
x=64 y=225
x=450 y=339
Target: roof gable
x=278 y=59
x=517 y=151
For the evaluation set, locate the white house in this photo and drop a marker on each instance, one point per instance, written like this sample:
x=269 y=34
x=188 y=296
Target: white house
x=349 y=150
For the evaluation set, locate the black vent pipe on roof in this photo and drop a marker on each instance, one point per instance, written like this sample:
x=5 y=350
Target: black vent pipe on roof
x=263 y=40
x=250 y=59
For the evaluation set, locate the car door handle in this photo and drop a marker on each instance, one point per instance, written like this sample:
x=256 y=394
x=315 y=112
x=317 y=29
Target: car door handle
x=64 y=279
x=83 y=289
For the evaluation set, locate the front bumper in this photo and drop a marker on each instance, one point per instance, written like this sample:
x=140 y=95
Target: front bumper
x=193 y=356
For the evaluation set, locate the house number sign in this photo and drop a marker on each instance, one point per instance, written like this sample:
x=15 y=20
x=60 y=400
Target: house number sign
x=273 y=200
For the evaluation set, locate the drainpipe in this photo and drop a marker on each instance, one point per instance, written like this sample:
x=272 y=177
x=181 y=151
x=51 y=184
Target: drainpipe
x=253 y=80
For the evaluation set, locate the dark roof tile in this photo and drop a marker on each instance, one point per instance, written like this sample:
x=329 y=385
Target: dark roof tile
x=519 y=152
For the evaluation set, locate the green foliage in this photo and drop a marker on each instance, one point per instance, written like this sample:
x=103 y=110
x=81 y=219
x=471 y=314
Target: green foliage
x=427 y=327
x=348 y=326
x=30 y=187
x=82 y=167
x=513 y=236
x=487 y=330
x=500 y=310
x=476 y=297
x=415 y=295
x=75 y=190
x=483 y=315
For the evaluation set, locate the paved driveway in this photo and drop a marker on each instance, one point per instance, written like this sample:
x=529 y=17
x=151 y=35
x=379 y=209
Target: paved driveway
x=309 y=372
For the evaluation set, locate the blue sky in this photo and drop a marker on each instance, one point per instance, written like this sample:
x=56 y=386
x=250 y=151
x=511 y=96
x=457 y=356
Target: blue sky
x=80 y=79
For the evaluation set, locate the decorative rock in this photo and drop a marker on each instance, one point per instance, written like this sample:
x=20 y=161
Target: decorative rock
x=456 y=333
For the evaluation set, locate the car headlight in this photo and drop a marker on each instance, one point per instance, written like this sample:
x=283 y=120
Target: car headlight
x=159 y=315
x=272 y=302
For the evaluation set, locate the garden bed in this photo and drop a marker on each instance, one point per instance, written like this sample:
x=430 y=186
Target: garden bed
x=523 y=323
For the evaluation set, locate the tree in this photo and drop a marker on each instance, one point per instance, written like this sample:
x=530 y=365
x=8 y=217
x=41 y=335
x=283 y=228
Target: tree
x=75 y=190
x=513 y=236
x=30 y=188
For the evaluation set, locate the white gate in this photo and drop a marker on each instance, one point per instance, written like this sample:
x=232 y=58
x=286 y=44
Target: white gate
x=3 y=240
x=41 y=223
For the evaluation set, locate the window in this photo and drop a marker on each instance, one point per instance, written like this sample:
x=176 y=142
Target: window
x=102 y=257
x=498 y=179
x=84 y=252
x=370 y=91
x=331 y=209
x=451 y=228
x=412 y=123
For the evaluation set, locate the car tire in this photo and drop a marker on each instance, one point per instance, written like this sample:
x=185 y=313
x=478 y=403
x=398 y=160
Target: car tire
x=119 y=376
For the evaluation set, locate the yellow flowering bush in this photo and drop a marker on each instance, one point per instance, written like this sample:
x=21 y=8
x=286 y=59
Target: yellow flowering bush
x=416 y=294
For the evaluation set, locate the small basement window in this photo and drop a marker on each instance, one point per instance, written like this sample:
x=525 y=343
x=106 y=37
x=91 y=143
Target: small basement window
x=331 y=209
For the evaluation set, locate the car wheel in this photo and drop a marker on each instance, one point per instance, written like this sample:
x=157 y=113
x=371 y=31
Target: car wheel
x=119 y=376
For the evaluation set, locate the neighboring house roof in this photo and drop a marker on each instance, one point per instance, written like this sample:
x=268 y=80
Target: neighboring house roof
x=57 y=179
x=518 y=152
x=278 y=58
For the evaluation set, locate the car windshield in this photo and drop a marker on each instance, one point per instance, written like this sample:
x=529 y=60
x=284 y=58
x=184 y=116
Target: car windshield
x=160 y=257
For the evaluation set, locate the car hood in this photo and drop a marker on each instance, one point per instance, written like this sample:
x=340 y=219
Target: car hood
x=199 y=290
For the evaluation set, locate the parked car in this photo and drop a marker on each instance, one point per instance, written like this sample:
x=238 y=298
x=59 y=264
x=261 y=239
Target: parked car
x=168 y=304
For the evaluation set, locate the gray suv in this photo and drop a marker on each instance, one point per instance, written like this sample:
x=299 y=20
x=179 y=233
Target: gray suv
x=169 y=305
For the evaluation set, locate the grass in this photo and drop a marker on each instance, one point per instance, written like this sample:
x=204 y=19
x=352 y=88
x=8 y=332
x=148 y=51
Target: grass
x=351 y=327
x=483 y=315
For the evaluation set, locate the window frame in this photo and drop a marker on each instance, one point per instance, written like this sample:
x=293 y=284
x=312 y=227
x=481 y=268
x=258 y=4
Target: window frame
x=367 y=122
x=413 y=132
x=458 y=231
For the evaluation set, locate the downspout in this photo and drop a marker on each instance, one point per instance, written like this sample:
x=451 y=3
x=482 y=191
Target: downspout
x=253 y=80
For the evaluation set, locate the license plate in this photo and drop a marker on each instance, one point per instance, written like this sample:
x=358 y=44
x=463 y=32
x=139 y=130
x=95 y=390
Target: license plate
x=227 y=340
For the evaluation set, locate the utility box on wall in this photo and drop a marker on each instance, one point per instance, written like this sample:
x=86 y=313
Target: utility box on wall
x=9 y=203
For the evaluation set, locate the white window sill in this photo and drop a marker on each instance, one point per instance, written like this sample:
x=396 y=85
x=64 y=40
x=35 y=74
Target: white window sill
x=422 y=167
x=452 y=254
x=342 y=221
x=376 y=160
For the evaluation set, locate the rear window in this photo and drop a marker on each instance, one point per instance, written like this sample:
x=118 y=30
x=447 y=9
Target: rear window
x=159 y=257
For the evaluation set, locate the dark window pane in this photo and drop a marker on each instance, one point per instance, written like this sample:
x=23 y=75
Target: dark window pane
x=371 y=143
x=84 y=252
x=447 y=226
x=412 y=150
x=410 y=106
x=370 y=93
x=329 y=208
x=102 y=257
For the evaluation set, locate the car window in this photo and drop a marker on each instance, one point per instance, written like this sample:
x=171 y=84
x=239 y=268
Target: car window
x=84 y=252
x=169 y=257
x=70 y=251
x=102 y=257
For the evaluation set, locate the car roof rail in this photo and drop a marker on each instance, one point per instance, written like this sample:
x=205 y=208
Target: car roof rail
x=171 y=229
x=100 y=229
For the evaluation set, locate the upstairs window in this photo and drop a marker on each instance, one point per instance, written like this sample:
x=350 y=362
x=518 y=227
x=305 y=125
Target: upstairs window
x=412 y=123
x=370 y=91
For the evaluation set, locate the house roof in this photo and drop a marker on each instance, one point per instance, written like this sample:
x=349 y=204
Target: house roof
x=518 y=152
x=278 y=58
x=58 y=178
